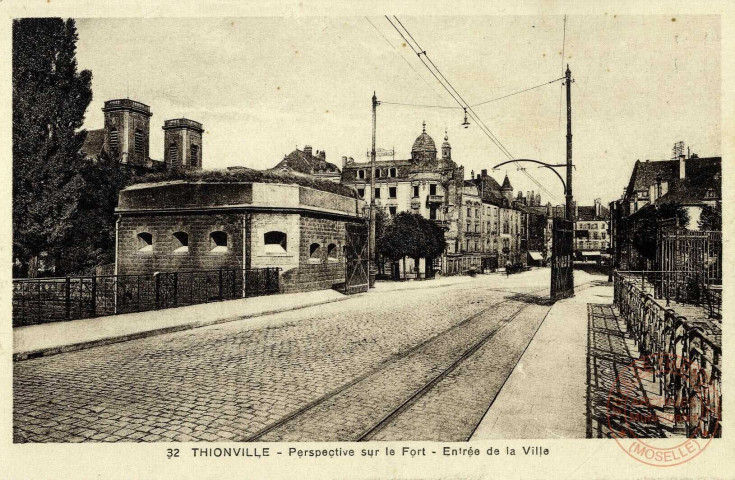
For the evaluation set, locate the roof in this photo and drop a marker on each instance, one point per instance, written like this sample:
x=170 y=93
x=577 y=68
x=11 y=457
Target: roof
x=299 y=161
x=424 y=143
x=94 y=142
x=248 y=175
x=702 y=183
x=489 y=189
x=588 y=213
x=506 y=182
x=646 y=173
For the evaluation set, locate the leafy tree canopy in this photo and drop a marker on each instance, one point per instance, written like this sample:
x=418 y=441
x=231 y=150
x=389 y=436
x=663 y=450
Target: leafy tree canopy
x=49 y=101
x=411 y=235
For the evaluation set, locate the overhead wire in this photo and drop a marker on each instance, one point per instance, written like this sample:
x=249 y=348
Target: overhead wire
x=405 y=60
x=461 y=101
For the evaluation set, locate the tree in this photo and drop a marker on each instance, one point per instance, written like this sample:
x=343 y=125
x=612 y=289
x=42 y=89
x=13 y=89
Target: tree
x=711 y=218
x=49 y=101
x=644 y=226
x=92 y=242
x=411 y=235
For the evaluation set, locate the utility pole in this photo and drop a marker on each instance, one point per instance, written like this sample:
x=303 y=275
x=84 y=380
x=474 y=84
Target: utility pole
x=569 y=197
x=371 y=241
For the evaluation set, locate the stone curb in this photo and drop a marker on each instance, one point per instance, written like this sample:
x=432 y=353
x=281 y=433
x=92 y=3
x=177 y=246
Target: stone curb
x=44 y=352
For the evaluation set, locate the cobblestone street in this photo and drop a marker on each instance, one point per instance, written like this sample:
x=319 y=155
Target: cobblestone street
x=332 y=372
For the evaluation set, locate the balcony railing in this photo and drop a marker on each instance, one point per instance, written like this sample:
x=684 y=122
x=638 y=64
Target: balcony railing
x=685 y=353
x=434 y=199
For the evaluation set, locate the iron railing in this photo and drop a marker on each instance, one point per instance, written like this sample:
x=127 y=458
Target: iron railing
x=43 y=300
x=687 y=287
x=686 y=355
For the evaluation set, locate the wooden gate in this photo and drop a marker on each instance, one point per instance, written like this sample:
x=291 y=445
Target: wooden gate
x=562 y=273
x=356 y=258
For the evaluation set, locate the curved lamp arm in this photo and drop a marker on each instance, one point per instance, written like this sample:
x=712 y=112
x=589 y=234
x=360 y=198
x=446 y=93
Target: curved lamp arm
x=543 y=164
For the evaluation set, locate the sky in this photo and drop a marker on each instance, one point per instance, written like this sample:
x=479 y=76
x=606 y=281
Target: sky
x=263 y=86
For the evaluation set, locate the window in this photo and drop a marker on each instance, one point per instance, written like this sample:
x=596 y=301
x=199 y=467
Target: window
x=332 y=252
x=361 y=174
x=477 y=212
x=393 y=210
x=194 y=160
x=173 y=153
x=432 y=213
x=218 y=242
x=361 y=192
x=432 y=189
x=377 y=173
x=392 y=172
x=181 y=242
x=114 y=143
x=415 y=191
x=469 y=227
x=275 y=242
x=145 y=242
x=477 y=228
x=139 y=142
x=392 y=192
x=469 y=212
x=377 y=192
x=315 y=253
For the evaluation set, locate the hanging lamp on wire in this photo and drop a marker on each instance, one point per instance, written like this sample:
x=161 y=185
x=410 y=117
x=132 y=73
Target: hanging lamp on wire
x=465 y=124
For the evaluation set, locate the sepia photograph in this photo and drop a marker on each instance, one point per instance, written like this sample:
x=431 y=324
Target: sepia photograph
x=369 y=228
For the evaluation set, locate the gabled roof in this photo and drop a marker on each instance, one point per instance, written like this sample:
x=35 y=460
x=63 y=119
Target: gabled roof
x=94 y=143
x=703 y=182
x=489 y=189
x=646 y=173
x=299 y=161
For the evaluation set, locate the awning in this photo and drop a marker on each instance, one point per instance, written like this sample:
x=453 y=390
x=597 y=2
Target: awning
x=536 y=256
x=590 y=254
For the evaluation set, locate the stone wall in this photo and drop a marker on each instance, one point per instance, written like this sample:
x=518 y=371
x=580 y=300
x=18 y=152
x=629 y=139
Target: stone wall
x=324 y=269
x=132 y=260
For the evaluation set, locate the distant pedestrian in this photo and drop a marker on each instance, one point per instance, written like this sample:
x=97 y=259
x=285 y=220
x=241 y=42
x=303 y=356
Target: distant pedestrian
x=507 y=268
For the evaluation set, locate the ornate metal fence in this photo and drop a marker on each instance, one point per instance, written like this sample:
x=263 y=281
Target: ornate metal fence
x=43 y=300
x=687 y=353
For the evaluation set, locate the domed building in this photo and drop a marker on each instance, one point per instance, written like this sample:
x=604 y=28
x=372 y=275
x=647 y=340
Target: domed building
x=434 y=186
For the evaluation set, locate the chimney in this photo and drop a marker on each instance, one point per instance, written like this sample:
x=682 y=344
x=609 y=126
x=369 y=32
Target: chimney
x=307 y=150
x=484 y=172
x=344 y=162
x=598 y=207
x=682 y=167
x=576 y=211
x=472 y=174
x=321 y=154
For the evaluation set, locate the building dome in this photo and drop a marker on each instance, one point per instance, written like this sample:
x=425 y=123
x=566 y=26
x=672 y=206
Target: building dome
x=424 y=143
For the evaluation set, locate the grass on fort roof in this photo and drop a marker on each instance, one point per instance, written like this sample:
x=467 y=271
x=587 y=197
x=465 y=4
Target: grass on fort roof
x=243 y=174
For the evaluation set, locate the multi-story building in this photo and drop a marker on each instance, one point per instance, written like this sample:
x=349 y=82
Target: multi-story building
x=591 y=236
x=483 y=228
x=688 y=181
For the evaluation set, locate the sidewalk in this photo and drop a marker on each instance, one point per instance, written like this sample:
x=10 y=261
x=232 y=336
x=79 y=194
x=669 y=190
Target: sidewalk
x=59 y=337
x=546 y=394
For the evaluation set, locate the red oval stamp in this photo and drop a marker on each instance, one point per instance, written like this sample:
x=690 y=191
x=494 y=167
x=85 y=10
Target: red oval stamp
x=664 y=396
